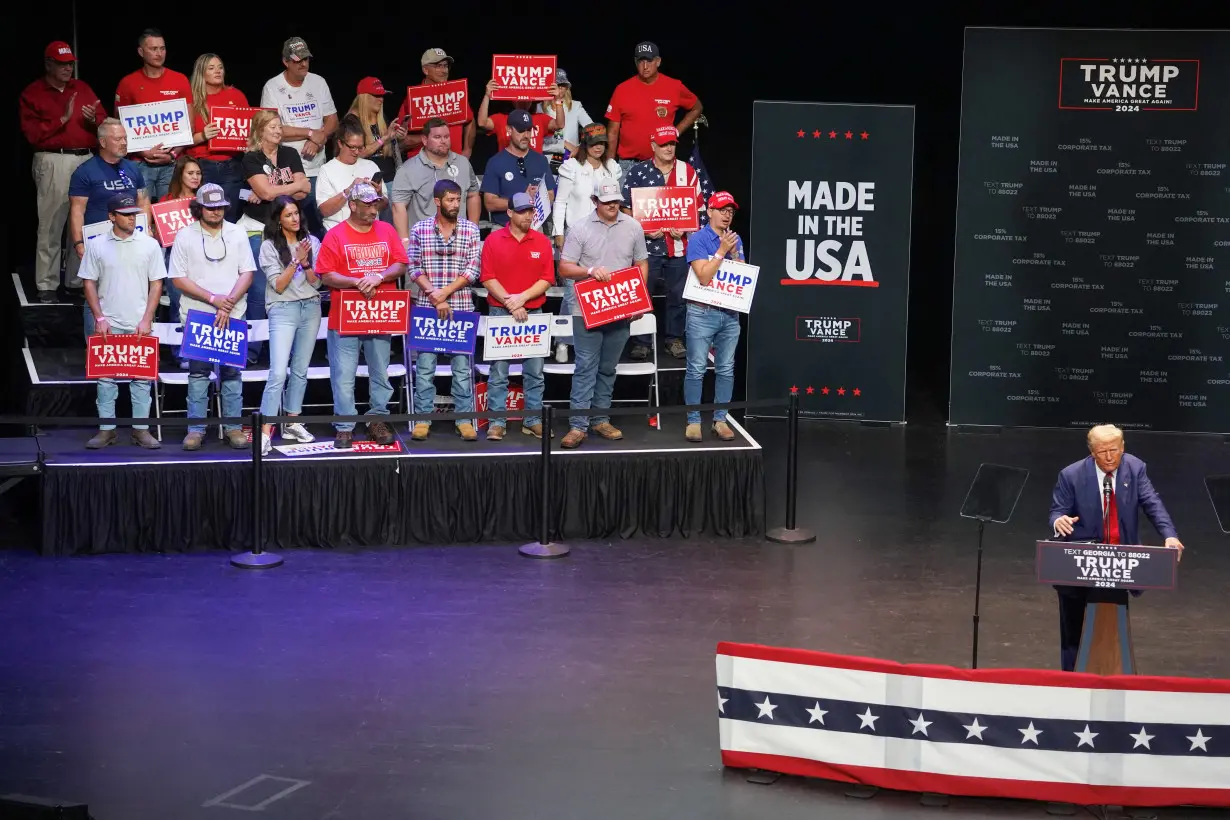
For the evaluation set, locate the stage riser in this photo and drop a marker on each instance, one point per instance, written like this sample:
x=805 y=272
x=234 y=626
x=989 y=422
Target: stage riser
x=377 y=502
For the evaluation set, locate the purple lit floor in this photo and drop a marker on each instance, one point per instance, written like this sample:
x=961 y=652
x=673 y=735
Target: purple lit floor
x=468 y=682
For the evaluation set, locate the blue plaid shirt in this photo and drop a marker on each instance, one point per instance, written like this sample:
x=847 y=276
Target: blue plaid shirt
x=443 y=261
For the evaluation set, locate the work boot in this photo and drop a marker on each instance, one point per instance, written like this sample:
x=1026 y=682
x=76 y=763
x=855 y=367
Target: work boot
x=722 y=430
x=608 y=431
x=421 y=430
x=142 y=438
x=534 y=430
x=237 y=439
x=102 y=438
x=693 y=433
x=193 y=441
x=343 y=440
x=495 y=432
x=467 y=432
x=676 y=348
x=573 y=439
x=380 y=432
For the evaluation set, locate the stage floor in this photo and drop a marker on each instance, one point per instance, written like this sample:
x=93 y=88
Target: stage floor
x=468 y=682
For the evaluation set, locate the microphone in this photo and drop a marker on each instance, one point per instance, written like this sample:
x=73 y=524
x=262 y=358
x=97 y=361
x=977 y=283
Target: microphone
x=1107 y=488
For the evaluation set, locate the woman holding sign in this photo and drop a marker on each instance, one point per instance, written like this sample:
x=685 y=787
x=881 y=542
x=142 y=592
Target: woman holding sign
x=292 y=299
x=209 y=90
x=186 y=179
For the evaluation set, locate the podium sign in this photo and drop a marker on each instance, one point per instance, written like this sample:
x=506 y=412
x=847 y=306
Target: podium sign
x=1107 y=566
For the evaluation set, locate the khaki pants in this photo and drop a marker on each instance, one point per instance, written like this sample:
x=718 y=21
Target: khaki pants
x=52 y=173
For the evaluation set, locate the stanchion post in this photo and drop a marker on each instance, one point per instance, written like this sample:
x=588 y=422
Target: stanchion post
x=791 y=534
x=544 y=547
x=257 y=558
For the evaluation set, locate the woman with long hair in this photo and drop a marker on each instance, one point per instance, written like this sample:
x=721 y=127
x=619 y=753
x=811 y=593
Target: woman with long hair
x=186 y=180
x=568 y=139
x=578 y=177
x=209 y=90
x=378 y=136
x=292 y=300
x=271 y=170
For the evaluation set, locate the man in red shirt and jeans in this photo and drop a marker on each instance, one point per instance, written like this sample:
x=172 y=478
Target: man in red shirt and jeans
x=59 y=118
x=642 y=103
x=154 y=82
x=518 y=267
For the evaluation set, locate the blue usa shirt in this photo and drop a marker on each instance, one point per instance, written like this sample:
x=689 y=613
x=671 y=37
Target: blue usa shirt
x=98 y=181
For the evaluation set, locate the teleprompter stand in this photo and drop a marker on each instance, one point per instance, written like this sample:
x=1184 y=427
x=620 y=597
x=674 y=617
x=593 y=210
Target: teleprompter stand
x=992 y=497
x=544 y=547
x=791 y=534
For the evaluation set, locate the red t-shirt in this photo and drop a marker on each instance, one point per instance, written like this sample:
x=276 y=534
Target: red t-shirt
x=518 y=264
x=353 y=254
x=456 y=133
x=227 y=96
x=136 y=88
x=641 y=107
x=542 y=126
x=41 y=107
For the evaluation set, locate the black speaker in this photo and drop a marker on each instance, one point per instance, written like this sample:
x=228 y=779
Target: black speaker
x=25 y=807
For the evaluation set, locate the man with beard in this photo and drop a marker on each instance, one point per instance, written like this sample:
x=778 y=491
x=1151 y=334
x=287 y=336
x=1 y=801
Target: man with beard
x=363 y=254
x=212 y=265
x=515 y=170
x=444 y=264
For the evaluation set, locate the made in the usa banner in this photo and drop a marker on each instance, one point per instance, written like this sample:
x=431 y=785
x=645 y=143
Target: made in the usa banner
x=431 y=334
x=203 y=342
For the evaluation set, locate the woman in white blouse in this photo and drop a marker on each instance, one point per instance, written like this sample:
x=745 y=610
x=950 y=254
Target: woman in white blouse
x=577 y=179
x=575 y=118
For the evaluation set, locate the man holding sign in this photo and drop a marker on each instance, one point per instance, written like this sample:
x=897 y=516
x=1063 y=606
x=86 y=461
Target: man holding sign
x=362 y=254
x=154 y=82
x=212 y=265
x=123 y=272
x=710 y=326
x=606 y=241
x=518 y=267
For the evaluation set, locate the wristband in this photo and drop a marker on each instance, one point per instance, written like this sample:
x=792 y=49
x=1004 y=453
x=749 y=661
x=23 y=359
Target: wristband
x=79 y=242
x=590 y=272
x=211 y=299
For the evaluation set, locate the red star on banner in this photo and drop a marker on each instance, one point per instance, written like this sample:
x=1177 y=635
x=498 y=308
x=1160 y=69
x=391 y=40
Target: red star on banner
x=824 y=390
x=832 y=135
x=816 y=134
x=858 y=392
x=802 y=134
x=864 y=135
x=849 y=135
x=841 y=391
x=810 y=390
x=794 y=391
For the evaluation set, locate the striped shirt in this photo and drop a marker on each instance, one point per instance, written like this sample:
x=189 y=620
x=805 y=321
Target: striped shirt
x=443 y=261
x=646 y=175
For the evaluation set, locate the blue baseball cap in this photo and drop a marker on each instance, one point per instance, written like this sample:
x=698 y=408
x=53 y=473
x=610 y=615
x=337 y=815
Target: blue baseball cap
x=123 y=203
x=520 y=120
x=521 y=202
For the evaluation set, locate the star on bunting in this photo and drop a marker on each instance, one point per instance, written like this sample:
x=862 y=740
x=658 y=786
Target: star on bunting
x=974 y=730
x=1085 y=737
x=766 y=708
x=817 y=714
x=1030 y=734
x=867 y=720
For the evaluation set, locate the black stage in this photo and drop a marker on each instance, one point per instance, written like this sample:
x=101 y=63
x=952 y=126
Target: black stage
x=469 y=682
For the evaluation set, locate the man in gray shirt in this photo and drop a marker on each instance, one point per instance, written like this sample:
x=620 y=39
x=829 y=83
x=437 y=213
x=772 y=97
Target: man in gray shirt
x=606 y=241
x=412 y=196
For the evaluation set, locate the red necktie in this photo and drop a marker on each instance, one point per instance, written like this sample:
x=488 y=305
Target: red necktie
x=1112 y=520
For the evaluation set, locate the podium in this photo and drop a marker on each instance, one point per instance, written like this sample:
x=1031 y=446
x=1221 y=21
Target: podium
x=1110 y=572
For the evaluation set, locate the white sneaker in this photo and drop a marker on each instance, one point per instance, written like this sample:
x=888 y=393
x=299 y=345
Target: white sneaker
x=266 y=444
x=297 y=432
x=561 y=353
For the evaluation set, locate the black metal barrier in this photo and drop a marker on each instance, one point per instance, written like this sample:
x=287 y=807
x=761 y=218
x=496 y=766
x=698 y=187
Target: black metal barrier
x=258 y=558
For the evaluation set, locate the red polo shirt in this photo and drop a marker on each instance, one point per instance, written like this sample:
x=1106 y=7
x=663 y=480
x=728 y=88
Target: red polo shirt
x=354 y=254
x=641 y=107
x=518 y=264
x=227 y=96
x=41 y=107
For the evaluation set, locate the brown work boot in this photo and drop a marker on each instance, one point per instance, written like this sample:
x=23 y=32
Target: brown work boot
x=142 y=438
x=380 y=432
x=693 y=433
x=495 y=432
x=237 y=440
x=534 y=430
x=101 y=439
x=193 y=441
x=722 y=430
x=573 y=439
x=608 y=431
x=343 y=440
x=467 y=432
x=421 y=431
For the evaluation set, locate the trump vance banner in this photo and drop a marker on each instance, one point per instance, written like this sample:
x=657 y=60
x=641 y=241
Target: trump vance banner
x=831 y=200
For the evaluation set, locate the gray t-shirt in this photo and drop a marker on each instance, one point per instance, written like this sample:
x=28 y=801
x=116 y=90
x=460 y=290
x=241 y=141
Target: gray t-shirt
x=594 y=243
x=123 y=269
x=272 y=267
x=417 y=177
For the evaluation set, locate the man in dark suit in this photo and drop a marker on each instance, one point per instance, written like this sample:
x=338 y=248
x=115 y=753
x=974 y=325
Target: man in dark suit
x=1097 y=499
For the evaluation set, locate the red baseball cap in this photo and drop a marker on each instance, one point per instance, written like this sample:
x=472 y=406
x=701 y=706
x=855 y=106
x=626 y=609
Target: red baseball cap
x=373 y=86
x=722 y=199
x=664 y=134
x=60 y=51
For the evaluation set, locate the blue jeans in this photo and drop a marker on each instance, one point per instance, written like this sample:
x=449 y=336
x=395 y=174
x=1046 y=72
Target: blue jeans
x=230 y=387
x=710 y=327
x=674 y=270
x=292 y=335
x=593 y=381
x=461 y=387
x=256 y=296
x=157 y=179
x=344 y=363
x=138 y=393
x=229 y=175
x=531 y=380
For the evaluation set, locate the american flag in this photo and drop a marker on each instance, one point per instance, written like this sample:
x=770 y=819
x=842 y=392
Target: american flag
x=542 y=207
x=1011 y=733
